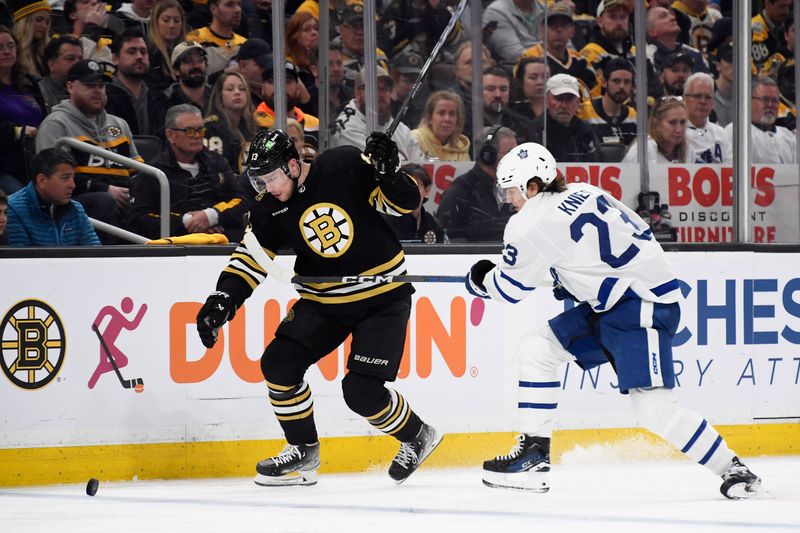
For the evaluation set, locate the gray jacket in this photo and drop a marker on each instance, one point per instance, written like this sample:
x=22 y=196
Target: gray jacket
x=515 y=31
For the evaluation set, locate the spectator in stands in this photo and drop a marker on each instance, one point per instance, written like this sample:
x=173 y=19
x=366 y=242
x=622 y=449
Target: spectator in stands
x=567 y=137
x=769 y=144
x=351 y=32
x=419 y=225
x=21 y=112
x=295 y=132
x=265 y=115
x=302 y=45
x=677 y=68
x=518 y=27
x=406 y=66
x=708 y=142
x=229 y=122
x=338 y=92
x=561 y=59
x=205 y=196
x=189 y=63
x=612 y=119
x=3 y=216
x=440 y=133
x=44 y=213
x=253 y=56
x=496 y=84
x=350 y=127
x=666 y=134
x=416 y=24
x=166 y=29
x=528 y=87
x=462 y=68
x=611 y=37
x=128 y=94
x=31 y=31
x=702 y=18
x=94 y=26
x=101 y=186
x=662 y=40
x=59 y=55
x=136 y=14
x=767 y=35
x=723 y=96
x=472 y=208
x=219 y=38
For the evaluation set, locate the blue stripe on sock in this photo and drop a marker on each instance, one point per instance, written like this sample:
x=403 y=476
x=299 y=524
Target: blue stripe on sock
x=540 y=384
x=528 y=405
x=714 y=447
x=695 y=436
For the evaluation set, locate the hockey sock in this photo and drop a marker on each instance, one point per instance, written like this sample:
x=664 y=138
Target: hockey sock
x=396 y=418
x=294 y=409
x=539 y=388
x=660 y=412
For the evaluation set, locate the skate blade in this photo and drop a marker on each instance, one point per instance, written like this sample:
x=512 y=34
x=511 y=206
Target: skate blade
x=436 y=442
x=527 y=481
x=740 y=491
x=307 y=477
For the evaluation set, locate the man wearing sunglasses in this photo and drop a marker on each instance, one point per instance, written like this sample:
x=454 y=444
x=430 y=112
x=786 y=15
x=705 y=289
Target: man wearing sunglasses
x=205 y=195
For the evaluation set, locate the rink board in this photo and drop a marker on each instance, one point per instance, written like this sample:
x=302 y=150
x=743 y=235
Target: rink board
x=204 y=413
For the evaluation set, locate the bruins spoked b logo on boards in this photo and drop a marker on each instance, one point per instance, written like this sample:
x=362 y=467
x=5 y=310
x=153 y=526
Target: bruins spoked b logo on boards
x=33 y=344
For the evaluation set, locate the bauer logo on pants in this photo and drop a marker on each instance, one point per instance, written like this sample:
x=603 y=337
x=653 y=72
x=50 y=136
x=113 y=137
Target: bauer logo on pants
x=33 y=344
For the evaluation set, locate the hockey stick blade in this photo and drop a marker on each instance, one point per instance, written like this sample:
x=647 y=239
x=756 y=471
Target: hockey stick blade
x=255 y=250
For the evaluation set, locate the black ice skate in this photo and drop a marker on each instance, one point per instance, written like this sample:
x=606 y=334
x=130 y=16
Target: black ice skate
x=525 y=467
x=412 y=453
x=296 y=465
x=739 y=483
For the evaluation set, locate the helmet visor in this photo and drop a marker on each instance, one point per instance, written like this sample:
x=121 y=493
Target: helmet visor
x=260 y=180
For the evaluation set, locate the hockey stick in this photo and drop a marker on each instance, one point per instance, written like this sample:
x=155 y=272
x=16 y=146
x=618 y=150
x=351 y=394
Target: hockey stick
x=284 y=276
x=137 y=383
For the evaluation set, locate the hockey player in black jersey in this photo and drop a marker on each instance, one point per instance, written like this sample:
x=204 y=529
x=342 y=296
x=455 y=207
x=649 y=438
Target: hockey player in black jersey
x=328 y=213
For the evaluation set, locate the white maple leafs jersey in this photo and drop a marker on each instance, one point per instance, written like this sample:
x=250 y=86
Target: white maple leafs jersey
x=595 y=246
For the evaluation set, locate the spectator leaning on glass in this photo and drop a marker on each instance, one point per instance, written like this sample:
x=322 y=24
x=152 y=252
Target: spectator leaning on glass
x=769 y=144
x=708 y=142
x=666 y=133
x=44 y=213
x=568 y=137
x=440 y=132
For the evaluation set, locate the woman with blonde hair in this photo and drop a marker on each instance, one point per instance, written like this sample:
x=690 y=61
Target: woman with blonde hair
x=32 y=31
x=439 y=134
x=229 y=121
x=666 y=133
x=167 y=28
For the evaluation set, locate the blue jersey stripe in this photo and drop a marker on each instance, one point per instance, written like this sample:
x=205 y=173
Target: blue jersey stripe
x=540 y=384
x=605 y=292
x=711 y=451
x=502 y=293
x=664 y=288
x=515 y=283
x=528 y=405
x=695 y=436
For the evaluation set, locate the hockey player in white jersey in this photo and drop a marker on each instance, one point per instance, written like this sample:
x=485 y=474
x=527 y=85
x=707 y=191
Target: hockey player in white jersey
x=601 y=254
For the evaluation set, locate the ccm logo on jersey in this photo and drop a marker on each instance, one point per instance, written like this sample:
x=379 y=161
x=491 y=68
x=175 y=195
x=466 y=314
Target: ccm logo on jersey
x=371 y=360
x=367 y=279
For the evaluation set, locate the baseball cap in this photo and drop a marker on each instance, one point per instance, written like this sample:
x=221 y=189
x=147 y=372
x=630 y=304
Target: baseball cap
x=563 y=84
x=380 y=72
x=184 y=48
x=253 y=48
x=676 y=57
x=89 y=70
x=408 y=63
x=353 y=11
x=608 y=4
x=560 y=9
x=269 y=70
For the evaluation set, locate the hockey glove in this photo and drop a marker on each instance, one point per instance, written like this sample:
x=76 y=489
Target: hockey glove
x=218 y=309
x=384 y=157
x=561 y=294
x=475 y=278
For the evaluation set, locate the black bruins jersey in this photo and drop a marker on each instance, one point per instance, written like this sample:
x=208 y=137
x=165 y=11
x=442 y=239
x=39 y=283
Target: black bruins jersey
x=333 y=224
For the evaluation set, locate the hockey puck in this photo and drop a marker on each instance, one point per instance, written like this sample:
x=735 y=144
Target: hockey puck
x=92 y=486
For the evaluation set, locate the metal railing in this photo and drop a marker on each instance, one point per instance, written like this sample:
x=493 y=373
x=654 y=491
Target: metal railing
x=163 y=183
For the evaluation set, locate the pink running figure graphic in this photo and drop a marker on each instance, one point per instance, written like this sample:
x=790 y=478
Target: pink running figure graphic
x=111 y=357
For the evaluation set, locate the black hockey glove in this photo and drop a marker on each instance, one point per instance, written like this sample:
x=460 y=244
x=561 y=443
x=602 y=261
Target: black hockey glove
x=561 y=294
x=218 y=309
x=384 y=157
x=475 y=278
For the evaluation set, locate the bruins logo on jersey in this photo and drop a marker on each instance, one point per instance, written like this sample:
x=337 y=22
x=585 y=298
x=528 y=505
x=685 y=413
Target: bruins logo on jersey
x=327 y=229
x=33 y=344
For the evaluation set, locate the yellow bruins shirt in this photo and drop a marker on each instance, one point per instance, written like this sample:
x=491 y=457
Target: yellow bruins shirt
x=765 y=40
x=333 y=224
x=206 y=37
x=575 y=65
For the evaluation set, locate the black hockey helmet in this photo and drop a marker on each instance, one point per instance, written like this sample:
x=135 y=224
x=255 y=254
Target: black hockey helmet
x=269 y=151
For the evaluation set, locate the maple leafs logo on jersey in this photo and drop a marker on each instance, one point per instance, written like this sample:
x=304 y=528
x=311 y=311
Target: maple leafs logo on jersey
x=522 y=154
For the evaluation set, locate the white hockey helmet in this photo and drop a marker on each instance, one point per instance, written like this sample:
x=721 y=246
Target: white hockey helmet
x=526 y=161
